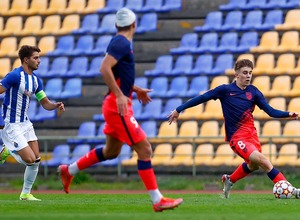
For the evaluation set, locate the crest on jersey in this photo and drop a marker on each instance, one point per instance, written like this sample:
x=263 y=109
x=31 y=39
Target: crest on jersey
x=249 y=95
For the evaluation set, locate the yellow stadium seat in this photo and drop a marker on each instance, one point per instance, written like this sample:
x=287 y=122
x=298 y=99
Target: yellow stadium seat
x=263 y=83
x=30 y=40
x=74 y=6
x=32 y=25
x=166 y=132
x=268 y=41
x=287 y=155
x=55 y=7
x=212 y=110
x=248 y=56
x=219 y=80
x=285 y=64
x=276 y=102
x=270 y=151
x=162 y=154
x=46 y=44
x=13 y=25
x=17 y=7
x=290 y=132
x=224 y=156
x=204 y=154
x=270 y=128
x=16 y=63
x=4 y=6
x=183 y=155
x=5 y=67
x=291 y=20
x=289 y=41
x=281 y=86
x=208 y=130
x=92 y=6
x=187 y=129
x=294 y=105
x=8 y=45
x=192 y=113
x=70 y=23
x=264 y=64
x=296 y=71
x=295 y=91
x=36 y=6
x=1 y=24
x=51 y=25
x=131 y=161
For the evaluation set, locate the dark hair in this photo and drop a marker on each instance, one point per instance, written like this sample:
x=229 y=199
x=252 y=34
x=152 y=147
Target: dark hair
x=243 y=63
x=27 y=51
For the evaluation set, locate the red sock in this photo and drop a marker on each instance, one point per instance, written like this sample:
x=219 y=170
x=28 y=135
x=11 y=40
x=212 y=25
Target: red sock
x=87 y=160
x=147 y=175
x=275 y=175
x=279 y=177
x=240 y=172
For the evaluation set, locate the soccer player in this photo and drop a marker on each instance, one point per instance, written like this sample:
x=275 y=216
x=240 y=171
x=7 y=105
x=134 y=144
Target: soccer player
x=121 y=127
x=238 y=100
x=18 y=134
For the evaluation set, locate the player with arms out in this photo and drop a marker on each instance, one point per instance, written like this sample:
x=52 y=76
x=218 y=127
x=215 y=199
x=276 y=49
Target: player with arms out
x=18 y=134
x=121 y=127
x=238 y=100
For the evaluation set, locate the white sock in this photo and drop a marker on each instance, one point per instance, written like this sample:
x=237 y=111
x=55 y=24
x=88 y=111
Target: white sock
x=73 y=168
x=155 y=195
x=29 y=177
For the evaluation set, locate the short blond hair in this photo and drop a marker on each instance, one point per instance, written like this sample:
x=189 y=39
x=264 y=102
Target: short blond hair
x=243 y=63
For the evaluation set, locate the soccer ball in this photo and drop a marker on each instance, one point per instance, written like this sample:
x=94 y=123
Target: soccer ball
x=283 y=190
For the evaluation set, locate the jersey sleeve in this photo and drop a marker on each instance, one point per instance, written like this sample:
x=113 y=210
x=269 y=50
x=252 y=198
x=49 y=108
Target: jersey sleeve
x=10 y=79
x=118 y=49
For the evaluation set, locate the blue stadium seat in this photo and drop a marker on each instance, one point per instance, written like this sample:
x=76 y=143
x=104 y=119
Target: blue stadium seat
x=111 y=6
x=198 y=84
x=170 y=105
x=64 y=45
x=101 y=45
x=124 y=155
x=183 y=65
x=233 y=21
x=85 y=45
x=223 y=62
x=248 y=40
x=141 y=82
x=272 y=18
x=43 y=67
x=170 y=5
x=99 y=135
x=43 y=114
x=32 y=109
x=60 y=155
x=79 y=151
x=227 y=43
x=137 y=108
x=107 y=25
x=98 y=117
x=93 y=70
x=203 y=65
x=59 y=67
x=150 y=128
x=253 y=19
x=159 y=85
x=77 y=66
x=208 y=43
x=232 y=5
x=134 y=5
x=152 y=5
x=213 y=21
x=152 y=110
x=163 y=65
x=72 y=88
x=53 y=88
x=148 y=23
x=89 y=24
x=253 y=4
x=178 y=87
x=188 y=41
x=272 y=4
x=290 y=4
x=86 y=129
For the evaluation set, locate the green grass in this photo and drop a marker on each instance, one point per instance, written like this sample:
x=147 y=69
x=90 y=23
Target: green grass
x=138 y=206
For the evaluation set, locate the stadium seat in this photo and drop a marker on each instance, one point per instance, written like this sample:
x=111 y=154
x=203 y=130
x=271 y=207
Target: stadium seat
x=59 y=67
x=92 y=6
x=54 y=88
x=107 y=25
x=213 y=21
x=270 y=151
x=289 y=42
x=170 y=5
x=100 y=136
x=188 y=132
x=223 y=62
x=51 y=24
x=89 y=24
x=147 y=23
x=100 y=46
x=111 y=6
x=32 y=25
x=224 y=156
x=252 y=19
x=70 y=23
x=1 y=23
x=268 y=41
x=150 y=128
x=140 y=82
x=4 y=6
x=192 y=113
x=166 y=132
x=46 y=44
x=178 y=87
x=273 y=18
x=29 y=40
x=74 y=6
x=8 y=46
x=287 y=155
x=163 y=65
x=43 y=67
x=84 y=46
x=248 y=40
x=233 y=21
x=72 y=88
x=291 y=21
x=124 y=155
x=285 y=63
x=197 y=86
x=294 y=105
x=290 y=4
x=188 y=42
x=151 y=5
x=290 y=129
x=232 y=5
x=131 y=161
x=86 y=130
x=5 y=66
x=183 y=155
x=212 y=110
x=182 y=66
x=296 y=70
x=281 y=86
x=204 y=154
x=64 y=46
x=276 y=102
x=94 y=67
x=263 y=83
x=218 y=80
x=228 y=42
x=209 y=132
x=35 y=7
x=78 y=67
x=13 y=26
x=295 y=90
x=253 y=4
x=152 y=110
x=269 y=129
x=208 y=43
x=264 y=63
x=161 y=154
x=17 y=7
x=79 y=151
x=60 y=155
x=137 y=108
x=203 y=65
x=134 y=5
x=55 y=7
x=159 y=85
x=43 y=114
x=271 y=4
x=169 y=106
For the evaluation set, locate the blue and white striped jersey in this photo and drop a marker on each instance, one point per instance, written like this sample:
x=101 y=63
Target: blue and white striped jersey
x=19 y=86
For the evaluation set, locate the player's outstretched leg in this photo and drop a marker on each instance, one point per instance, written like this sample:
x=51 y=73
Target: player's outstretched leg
x=166 y=203
x=4 y=153
x=66 y=178
x=227 y=185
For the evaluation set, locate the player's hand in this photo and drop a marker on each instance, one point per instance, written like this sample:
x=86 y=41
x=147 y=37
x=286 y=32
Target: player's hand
x=122 y=102
x=142 y=95
x=294 y=115
x=60 y=106
x=173 y=117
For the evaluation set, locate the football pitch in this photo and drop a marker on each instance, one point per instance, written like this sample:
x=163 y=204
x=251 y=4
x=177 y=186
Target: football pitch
x=138 y=207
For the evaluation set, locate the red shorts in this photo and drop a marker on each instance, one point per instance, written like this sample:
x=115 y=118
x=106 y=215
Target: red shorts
x=124 y=128
x=245 y=146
